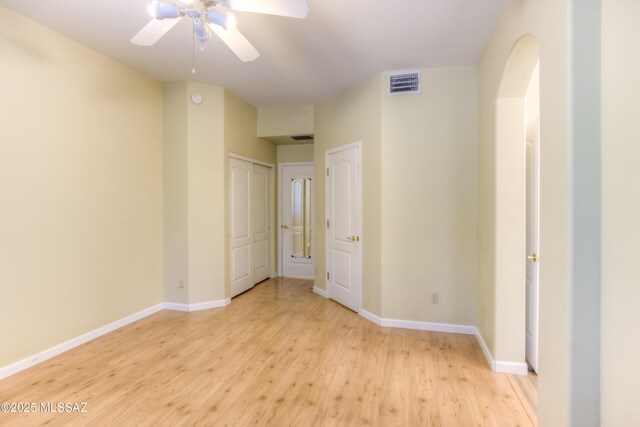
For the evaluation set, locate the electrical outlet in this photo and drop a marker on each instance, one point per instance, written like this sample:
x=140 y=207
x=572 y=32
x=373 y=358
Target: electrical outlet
x=435 y=298
x=181 y=283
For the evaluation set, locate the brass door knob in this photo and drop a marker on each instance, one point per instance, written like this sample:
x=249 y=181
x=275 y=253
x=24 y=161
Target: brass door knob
x=533 y=257
x=353 y=238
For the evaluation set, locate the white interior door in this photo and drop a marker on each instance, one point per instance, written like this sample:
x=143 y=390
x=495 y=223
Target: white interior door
x=240 y=202
x=260 y=223
x=532 y=266
x=296 y=220
x=343 y=226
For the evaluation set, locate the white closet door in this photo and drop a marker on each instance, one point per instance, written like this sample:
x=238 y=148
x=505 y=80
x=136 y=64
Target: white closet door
x=240 y=202
x=260 y=223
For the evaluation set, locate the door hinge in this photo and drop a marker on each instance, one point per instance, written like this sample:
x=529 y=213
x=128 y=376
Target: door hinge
x=327 y=275
x=327 y=171
x=327 y=223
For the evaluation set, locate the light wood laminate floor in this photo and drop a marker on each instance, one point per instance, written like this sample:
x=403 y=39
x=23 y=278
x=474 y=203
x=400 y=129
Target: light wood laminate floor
x=279 y=355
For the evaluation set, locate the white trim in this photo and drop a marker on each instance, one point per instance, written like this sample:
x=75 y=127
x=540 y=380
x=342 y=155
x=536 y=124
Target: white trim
x=209 y=304
x=418 y=325
x=485 y=349
x=33 y=360
x=175 y=306
x=370 y=316
x=250 y=160
x=74 y=342
x=196 y=306
x=516 y=368
x=429 y=326
x=321 y=292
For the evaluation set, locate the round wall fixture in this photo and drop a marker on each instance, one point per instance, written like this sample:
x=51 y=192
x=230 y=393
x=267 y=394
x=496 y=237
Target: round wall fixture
x=196 y=98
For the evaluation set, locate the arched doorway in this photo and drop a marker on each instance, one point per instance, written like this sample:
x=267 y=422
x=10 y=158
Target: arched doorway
x=517 y=112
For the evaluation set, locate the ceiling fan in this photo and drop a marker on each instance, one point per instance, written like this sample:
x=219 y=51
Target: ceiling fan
x=216 y=16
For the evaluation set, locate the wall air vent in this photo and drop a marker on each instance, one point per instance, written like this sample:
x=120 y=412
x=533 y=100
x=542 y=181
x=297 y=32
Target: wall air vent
x=302 y=137
x=403 y=83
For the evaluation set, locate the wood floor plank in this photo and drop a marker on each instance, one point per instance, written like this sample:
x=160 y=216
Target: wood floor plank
x=279 y=355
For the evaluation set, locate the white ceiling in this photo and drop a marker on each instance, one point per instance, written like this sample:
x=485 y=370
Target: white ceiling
x=301 y=61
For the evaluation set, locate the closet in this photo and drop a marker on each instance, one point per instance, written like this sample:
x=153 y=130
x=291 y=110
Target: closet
x=249 y=213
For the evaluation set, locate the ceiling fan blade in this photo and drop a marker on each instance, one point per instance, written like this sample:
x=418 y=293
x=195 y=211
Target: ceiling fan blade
x=153 y=31
x=237 y=43
x=290 y=8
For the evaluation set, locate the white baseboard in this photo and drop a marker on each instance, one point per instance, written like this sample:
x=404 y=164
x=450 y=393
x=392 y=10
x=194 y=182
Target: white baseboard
x=485 y=349
x=429 y=326
x=516 y=368
x=33 y=360
x=74 y=342
x=321 y=292
x=414 y=324
x=370 y=316
x=196 y=306
x=175 y=306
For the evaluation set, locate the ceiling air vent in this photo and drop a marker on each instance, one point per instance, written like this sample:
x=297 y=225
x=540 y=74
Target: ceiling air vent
x=402 y=83
x=302 y=137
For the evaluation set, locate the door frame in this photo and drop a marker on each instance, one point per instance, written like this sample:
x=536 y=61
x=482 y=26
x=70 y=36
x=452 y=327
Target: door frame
x=532 y=223
x=358 y=213
x=272 y=214
x=534 y=186
x=281 y=167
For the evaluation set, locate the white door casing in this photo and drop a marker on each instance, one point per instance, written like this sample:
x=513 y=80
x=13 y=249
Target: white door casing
x=532 y=244
x=290 y=226
x=343 y=237
x=260 y=225
x=240 y=205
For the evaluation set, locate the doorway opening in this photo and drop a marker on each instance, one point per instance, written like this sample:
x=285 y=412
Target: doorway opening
x=532 y=179
x=296 y=220
x=517 y=175
x=517 y=206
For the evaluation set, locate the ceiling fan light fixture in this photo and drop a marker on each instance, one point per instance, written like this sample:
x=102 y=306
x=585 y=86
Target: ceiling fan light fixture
x=201 y=31
x=225 y=20
x=162 y=10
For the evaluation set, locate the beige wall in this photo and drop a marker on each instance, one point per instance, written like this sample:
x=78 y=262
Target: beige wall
x=193 y=182
x=429 y=199
x=240 y=122
x=81 y=189
x=620 y=212
x=295 y=153
x=547 y=21
x=205 y=123
x=280 y=121
x=350 y=116
x=175 y=193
